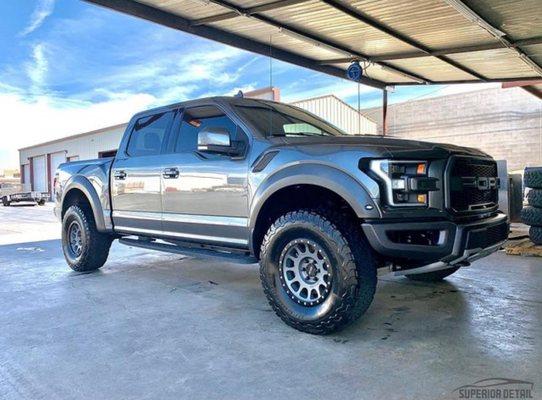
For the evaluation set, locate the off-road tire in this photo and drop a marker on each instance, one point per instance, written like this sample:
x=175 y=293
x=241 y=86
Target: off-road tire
x=94 y=245
x=352 y=264
x=435 y=276
x=535 y=234
x=534 y=198
x=531 y=216
x=533 y=177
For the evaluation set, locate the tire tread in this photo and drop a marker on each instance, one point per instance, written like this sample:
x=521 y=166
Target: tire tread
x=96 y=251
x=356 y=298
x=531 y=216
x=534 y=198
x=533 y=177
x=535 y=234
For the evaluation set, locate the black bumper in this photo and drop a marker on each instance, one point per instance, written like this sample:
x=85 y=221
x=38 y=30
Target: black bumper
x=456 y=242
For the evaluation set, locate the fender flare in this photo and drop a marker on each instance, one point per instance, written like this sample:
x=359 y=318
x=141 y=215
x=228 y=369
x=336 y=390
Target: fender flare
x=325 y=176
x=83 y=184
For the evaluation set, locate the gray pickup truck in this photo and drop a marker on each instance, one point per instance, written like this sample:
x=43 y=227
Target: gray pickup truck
x=258 y=181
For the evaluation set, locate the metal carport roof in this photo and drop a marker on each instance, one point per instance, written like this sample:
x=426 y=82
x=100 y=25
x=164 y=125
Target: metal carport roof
x=404 y=42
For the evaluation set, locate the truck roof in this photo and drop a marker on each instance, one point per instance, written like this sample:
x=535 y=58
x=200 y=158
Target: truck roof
x=205 y=100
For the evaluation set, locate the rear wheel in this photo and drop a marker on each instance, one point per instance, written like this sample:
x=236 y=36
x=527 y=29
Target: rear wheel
x=41 y=203
x=434 y=276
x=317 y=271
x=85 y=249
x=5 y=202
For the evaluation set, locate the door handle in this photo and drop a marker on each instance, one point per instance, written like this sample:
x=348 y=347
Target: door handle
x=171 y=173
x=120 y=175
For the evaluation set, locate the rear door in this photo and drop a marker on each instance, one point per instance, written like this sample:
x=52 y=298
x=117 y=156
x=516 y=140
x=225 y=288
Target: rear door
x=136 y=175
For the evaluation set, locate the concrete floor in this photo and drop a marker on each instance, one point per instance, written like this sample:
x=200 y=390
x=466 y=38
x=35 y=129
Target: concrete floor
x=156 y=326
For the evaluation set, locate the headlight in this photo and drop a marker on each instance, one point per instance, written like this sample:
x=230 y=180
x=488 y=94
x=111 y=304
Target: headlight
x=406 y=182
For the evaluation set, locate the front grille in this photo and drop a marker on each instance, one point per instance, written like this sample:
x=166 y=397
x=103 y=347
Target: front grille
x=480 y=239
x=473 y=183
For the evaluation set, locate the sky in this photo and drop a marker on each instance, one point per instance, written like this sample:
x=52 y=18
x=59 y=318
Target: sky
x=67 y=67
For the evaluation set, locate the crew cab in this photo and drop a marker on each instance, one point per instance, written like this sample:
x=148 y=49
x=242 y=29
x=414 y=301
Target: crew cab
x=259 y=181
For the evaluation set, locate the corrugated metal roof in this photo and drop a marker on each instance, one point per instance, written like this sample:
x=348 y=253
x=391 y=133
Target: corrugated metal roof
x=402 y=41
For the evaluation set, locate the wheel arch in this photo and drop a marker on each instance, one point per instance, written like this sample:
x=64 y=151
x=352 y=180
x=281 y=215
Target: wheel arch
x=79 y=190
x=290 y=187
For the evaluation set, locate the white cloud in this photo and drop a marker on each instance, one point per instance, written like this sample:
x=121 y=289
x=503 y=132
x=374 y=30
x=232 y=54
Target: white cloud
x=42 y=11
x=37 y=68
x=175 y=76
x=26 y=123
x=33 y=113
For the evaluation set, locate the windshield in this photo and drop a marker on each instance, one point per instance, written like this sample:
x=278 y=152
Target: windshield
x=275 y=119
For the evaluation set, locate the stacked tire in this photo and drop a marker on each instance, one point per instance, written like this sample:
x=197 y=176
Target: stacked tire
x=532 y=214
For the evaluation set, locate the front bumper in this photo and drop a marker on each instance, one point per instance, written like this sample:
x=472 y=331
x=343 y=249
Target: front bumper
x=457 y=243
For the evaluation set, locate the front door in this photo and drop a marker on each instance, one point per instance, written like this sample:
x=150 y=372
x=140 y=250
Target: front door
x=205 y=198
x=136 y=176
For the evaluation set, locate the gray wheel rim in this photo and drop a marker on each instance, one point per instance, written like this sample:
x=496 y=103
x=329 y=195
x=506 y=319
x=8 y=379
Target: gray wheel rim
x=75 y=238
x=305 y=272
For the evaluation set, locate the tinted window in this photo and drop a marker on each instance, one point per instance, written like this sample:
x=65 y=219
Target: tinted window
x=198 y=118
x=148 y=134
x=275 y=119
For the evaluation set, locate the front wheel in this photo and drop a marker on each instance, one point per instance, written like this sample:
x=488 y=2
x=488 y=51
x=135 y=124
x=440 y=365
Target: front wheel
x=85 y=248
x=5 y=202
x=41 y=202
x=317 y=271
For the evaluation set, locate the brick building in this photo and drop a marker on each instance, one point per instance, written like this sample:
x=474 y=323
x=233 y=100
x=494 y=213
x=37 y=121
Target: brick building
x=506 y=123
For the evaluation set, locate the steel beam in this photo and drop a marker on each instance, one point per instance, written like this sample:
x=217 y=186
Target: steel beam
x=356 y=14
x=491 y=80
x=442 y=52
x=182 y=24
x=384 y=112
x=248 y=11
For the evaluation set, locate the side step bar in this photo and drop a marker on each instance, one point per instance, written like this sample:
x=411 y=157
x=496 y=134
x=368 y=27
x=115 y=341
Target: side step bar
x=190 y=251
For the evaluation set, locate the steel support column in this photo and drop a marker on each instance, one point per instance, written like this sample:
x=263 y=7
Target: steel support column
x=384 y=112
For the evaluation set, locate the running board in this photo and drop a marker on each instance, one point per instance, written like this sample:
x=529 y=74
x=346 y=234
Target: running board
x=190 y=251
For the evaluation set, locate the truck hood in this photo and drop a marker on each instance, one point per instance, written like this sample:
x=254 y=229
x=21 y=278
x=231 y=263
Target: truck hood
x=378 y=146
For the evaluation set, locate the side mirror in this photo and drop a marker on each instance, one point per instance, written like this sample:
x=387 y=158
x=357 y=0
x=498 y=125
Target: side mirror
x=215 y=140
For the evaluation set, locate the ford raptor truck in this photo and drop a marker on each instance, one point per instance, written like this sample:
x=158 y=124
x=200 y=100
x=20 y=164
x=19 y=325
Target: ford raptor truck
x=259 y=181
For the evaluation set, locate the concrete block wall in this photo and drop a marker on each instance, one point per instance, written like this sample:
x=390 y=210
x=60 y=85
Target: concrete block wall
x=506 y=123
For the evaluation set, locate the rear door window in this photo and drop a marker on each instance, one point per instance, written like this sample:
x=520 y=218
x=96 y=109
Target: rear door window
x=148 y=134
